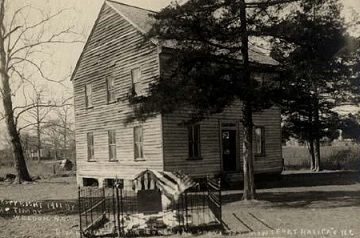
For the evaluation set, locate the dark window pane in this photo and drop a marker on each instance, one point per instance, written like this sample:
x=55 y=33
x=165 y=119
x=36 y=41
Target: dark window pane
x=138 y=142
x=90 y=145
x=194 y=141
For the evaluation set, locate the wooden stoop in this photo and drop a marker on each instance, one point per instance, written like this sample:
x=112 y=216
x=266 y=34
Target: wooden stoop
x=232 y=180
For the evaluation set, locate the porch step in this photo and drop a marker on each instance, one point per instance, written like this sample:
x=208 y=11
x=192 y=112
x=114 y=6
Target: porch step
x=232 y=180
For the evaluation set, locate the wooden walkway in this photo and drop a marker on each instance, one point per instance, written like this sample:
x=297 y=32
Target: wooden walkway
x=245 y=222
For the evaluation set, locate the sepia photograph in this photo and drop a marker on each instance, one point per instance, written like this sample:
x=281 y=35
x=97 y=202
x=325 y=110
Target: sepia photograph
x=179 y=118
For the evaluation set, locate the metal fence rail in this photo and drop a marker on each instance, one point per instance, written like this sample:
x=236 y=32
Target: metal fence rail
x=214 y=197
x=119 y=212
x=92 y=209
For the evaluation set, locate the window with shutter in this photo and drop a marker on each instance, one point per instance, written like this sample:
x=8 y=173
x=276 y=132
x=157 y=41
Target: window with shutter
x=110 y=84
x=194 y=141
x=259 y=140
x=88 y=95
x=90 y=146
x=136 y=81
x=112 y=145
x=138 y=143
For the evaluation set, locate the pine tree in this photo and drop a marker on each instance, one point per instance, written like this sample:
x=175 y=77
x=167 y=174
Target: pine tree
x=211 y=67
x=317 y=52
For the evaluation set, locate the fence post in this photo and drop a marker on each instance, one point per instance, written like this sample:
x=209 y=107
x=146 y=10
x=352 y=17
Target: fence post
x=220 y=200
x=114 y=205
x=104 y=201
x=91 y=207
x=186 y=212
x=122 y=210
x=117 y=211
x=178 y=213
x=79 y=194
x=86 y=206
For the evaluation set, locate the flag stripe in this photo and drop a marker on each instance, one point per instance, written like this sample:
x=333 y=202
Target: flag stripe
x=171 y=184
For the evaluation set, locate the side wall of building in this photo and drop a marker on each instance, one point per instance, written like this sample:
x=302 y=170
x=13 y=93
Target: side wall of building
x=113 y=51
x=176 y=142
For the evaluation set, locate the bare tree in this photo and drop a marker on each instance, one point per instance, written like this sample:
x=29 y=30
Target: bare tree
x=66 y=125
x=60 y=131
x=37 y=115
x=21 y=43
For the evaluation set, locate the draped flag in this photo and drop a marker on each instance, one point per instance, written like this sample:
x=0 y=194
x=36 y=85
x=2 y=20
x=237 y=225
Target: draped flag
x=172 y=185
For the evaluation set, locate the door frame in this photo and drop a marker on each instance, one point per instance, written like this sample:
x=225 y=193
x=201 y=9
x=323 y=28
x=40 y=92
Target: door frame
x=230 y=125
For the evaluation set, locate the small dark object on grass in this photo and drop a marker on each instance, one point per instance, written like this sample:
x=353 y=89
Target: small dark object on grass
x=10 y=177
x=34 y=178
x=66 y=165
x=2 y=179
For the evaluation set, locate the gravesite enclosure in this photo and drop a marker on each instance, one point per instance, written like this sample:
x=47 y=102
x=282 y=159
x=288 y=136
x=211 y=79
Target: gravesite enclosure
x=184 y=118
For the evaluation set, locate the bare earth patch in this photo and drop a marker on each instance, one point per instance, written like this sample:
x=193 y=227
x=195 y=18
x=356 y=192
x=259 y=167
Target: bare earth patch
x=301 y=204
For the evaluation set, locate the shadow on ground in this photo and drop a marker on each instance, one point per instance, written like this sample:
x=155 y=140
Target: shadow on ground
x=313 y=190
x=307 y=179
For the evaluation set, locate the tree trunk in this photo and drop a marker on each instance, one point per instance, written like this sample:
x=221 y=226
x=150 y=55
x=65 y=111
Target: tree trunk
x=38 y=140
x=65 y=136
x=312 y=154
x=317 y=136
x=311 y=140
x=248 y=167
x=20 y=164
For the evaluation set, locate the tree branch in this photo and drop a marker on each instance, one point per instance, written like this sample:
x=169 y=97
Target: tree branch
x=33 y=27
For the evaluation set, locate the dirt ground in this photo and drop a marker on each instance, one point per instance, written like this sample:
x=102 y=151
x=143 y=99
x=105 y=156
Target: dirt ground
x=301 y=204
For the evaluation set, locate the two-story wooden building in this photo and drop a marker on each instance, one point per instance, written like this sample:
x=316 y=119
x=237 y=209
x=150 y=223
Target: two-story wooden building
x=111 y=66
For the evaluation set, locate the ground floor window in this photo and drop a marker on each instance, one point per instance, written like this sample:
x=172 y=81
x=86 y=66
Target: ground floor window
x=112 y=145
x=138 y=143
x=194 y=141
x=259 y=140
x=90 y=146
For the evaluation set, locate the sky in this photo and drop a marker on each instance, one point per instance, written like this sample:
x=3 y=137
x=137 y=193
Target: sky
x=82 y=14
x=86 y=11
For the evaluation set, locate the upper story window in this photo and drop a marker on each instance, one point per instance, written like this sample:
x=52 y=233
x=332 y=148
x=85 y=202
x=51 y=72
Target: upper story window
x=136 y=81
x=112 y=145
x=194 y=141
x=90 y=146
x=88 y=95
x=138 y=143
x=110 y=88
x=259 y=140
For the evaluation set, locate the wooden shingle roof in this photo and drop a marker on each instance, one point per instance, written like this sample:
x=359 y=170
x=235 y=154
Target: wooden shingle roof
x=139 y=17
x=142 y=20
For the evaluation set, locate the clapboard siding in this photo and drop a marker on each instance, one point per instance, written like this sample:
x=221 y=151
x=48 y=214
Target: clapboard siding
x=113 y=49
x=175 y=139
x=116 y=46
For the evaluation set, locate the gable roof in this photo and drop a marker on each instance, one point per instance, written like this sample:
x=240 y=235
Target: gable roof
x=141 y=19
x=138 y=17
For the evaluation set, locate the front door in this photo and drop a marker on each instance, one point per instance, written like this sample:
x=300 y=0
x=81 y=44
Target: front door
x=229 y=149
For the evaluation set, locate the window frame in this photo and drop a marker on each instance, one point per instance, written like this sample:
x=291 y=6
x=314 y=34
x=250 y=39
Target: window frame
x=136 y=88
x=194 y=142
x=89 y=95
x=112 y=145
x=262 y=141
x=138 y=143
x=90 y=147
x=110 y=91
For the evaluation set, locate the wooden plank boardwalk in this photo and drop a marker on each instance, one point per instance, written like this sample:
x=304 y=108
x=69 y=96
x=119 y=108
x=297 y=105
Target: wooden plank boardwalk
x=245 y=222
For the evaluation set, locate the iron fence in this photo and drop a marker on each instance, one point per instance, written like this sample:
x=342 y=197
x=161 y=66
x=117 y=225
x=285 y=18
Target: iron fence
x=214 y=197
x=92 y=209
x=120 y=212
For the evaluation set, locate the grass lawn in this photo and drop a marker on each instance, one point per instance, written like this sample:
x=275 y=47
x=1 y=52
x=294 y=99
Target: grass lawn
x=332 y=157
x=301 y=204
x=43 y=169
